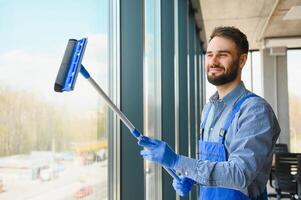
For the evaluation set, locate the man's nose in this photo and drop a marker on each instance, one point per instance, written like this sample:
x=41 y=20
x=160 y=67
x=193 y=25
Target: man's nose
x=214 y=60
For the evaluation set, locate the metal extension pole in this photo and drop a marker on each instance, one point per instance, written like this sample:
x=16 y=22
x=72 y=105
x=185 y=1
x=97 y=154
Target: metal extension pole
x=116 y=110
x=120 y=114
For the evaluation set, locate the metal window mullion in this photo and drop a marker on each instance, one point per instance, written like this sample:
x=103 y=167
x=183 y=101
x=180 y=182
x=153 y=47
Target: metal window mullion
x=131 y=90
x=182 y=76
x=176 y=77
x=114 y=91
x=251 y=64
x=196 y=103
x=192 y=88
x=168 y=92
x=176 y=74
x=188 y=88
x=157 y=25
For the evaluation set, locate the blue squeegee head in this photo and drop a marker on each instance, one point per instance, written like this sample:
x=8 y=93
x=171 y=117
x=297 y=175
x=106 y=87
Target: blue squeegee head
x=75 y=64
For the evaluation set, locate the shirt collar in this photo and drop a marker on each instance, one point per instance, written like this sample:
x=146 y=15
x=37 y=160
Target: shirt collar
x=231 y=97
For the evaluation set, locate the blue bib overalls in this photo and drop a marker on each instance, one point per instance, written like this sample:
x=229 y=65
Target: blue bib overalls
x=216 y=151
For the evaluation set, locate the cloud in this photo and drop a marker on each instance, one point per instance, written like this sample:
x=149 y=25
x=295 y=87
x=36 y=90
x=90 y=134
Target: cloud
x=35 y=72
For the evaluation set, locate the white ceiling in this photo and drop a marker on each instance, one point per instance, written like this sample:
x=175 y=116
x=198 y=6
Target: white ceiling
x=258 y=19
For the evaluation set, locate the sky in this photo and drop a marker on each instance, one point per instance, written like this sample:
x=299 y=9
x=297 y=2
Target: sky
x=31 y=23
x=34 y=37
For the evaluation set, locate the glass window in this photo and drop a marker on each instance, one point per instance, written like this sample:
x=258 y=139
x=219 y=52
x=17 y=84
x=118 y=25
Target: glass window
x=294 y=92
x=52 y=145
x=257 y=87
x=247 y=73
x=210 y=89
x=251 y=73
x=152 y=90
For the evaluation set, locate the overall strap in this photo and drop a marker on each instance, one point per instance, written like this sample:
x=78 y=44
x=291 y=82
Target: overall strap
x=203 y=123
x=231 y=116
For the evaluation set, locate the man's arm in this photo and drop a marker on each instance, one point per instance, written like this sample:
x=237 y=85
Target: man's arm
x=257 y=132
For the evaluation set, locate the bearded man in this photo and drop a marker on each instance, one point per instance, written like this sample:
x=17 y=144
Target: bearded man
x=237 y=134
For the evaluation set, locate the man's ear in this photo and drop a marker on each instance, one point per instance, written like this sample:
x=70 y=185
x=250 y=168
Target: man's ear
x=242 y=60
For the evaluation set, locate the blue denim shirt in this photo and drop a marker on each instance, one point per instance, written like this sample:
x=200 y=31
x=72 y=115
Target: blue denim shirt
x=249 y=144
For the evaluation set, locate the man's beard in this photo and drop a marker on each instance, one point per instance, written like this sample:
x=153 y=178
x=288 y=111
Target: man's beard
x=225 y=77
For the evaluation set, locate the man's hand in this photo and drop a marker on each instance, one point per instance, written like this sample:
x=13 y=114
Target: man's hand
x=158 y=151
x=184 y=186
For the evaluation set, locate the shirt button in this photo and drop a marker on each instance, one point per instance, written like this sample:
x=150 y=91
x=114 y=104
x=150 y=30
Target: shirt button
x=186 y=173
x=211 y=129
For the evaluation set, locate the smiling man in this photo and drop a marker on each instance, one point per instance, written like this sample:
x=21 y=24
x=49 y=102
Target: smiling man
x=237 y=134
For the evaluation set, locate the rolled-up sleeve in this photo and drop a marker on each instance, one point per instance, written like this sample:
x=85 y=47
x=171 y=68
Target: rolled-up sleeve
x=255 y=132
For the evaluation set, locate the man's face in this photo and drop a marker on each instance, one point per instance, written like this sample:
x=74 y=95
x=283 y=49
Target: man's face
x=222 y=61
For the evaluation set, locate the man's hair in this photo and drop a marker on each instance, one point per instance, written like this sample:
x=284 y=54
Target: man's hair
x=233 y=34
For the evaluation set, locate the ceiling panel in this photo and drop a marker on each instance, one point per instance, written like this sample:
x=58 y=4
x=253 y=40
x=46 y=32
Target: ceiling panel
x=258 y=19
x=278 y=26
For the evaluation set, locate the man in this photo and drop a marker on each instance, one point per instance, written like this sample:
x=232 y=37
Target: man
x=238 y=131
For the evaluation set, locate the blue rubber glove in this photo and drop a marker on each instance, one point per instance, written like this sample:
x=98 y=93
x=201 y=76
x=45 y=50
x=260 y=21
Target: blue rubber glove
x=158 y=151
x=184 y=186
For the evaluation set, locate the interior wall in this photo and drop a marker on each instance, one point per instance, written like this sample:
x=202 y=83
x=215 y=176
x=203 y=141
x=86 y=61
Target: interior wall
x=275 y=89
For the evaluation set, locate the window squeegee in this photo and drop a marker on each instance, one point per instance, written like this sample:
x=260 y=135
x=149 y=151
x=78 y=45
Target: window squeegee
x=67 y=75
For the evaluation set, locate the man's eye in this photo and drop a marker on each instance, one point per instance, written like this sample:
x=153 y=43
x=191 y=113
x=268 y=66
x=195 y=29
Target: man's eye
x=223 y=55
x=209 y=55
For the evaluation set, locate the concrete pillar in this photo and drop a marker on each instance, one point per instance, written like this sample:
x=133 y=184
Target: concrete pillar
x=275 y=88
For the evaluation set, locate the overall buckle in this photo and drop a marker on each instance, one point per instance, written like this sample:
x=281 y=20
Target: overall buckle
x=222 y=132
